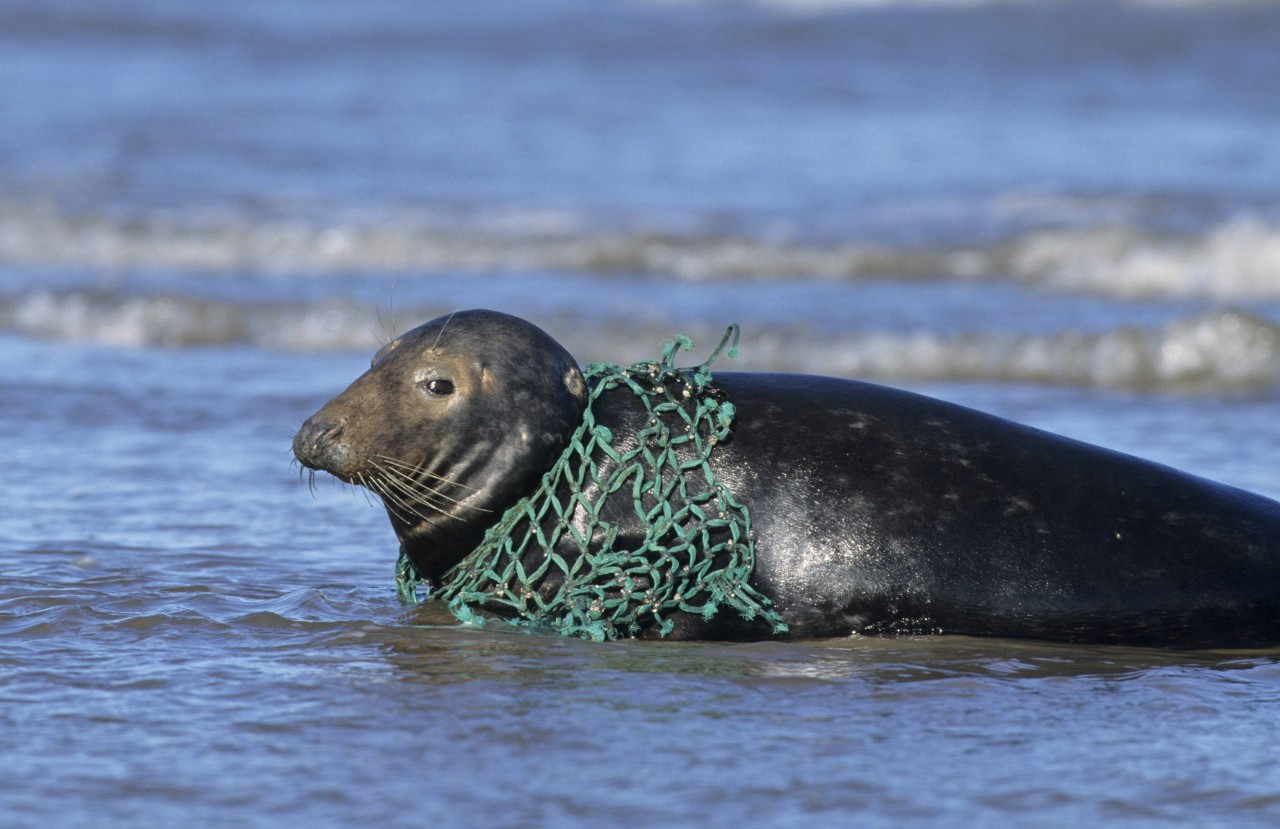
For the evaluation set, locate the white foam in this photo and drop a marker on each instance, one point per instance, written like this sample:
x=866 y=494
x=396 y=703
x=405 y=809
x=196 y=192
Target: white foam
x=417 y=242
x=1208 y=352
x=1213 y=351
x=175 y=321
x=1239 y=259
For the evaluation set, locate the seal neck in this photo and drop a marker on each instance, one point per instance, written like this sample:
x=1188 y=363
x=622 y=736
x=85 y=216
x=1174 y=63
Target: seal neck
x=499 y=473
x=554 y=559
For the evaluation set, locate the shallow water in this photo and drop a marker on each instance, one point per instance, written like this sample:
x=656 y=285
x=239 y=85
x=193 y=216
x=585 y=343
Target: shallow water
x=212 y=214
x=191 y=636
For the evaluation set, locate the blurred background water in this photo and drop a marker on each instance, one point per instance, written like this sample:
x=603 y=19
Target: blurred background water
x=212 y=214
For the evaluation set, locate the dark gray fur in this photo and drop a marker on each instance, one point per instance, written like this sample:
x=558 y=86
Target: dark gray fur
x=875 y=510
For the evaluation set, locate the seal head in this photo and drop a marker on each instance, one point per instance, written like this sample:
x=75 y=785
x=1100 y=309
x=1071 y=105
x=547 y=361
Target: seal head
x=453 y=423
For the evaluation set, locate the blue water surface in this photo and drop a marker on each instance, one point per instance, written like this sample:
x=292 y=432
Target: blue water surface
x=211 y=216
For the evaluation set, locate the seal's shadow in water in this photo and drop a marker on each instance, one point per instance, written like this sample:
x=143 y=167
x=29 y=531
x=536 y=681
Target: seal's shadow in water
x=432 y=646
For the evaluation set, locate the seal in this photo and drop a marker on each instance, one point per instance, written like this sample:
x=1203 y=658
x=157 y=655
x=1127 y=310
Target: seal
x=874 y=510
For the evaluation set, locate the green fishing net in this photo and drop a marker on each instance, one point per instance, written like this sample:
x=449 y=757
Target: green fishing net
x=554 y=561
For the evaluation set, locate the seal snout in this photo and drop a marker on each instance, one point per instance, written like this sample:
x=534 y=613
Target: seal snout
x=316 y=446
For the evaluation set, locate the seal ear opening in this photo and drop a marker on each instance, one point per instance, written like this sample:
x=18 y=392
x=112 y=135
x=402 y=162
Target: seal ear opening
x=575 y=384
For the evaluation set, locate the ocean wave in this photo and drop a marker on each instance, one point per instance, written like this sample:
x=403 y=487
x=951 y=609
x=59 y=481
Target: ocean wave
x=507 y=242
x=178 y=321
x=1236 y=259
x=1221 y=351
x=1213 y=351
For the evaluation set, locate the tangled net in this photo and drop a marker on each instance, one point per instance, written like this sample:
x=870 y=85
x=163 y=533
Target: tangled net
x=697 y=554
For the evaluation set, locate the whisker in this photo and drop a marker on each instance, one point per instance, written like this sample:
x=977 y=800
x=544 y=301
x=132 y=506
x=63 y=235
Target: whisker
x=365 y=489
x=442 y=330
x=408 y=493
x=402 y=507
x=417 y=473
x=405 y=490
x=420 y=490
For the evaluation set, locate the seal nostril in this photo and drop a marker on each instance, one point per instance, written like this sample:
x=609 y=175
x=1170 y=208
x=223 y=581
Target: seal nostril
x=314 y=441
x=323 y=431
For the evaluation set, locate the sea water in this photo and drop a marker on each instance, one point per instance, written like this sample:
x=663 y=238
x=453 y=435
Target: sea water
x=212 y=214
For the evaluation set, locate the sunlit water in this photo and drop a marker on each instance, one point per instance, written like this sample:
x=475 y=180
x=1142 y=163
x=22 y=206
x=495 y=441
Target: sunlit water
x=212 y=214
x=190 y=635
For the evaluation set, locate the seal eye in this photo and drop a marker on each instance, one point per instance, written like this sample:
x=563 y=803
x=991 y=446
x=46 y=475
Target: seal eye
x=437 y=386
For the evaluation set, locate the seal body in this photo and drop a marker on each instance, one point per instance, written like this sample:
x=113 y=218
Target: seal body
x=879 y=510
x=875 y=510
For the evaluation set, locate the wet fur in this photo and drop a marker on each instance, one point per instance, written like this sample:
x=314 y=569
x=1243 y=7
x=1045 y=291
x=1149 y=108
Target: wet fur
x=875 y=510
